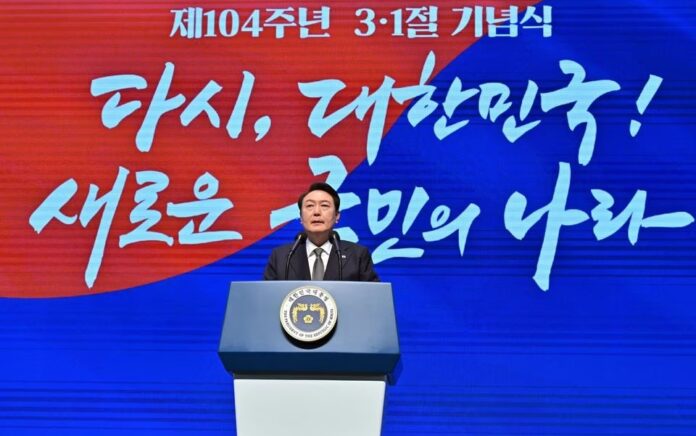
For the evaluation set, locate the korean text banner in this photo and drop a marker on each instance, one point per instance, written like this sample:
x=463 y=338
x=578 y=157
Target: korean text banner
x=522 y=172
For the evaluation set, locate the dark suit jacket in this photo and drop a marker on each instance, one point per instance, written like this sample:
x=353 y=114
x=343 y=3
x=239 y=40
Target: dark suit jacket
x=357 y=264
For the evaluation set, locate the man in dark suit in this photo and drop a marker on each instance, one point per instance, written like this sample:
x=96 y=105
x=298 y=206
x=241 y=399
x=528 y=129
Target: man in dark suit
x=314 y=256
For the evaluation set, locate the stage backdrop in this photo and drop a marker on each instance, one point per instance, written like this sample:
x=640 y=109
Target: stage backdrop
x=523 y=173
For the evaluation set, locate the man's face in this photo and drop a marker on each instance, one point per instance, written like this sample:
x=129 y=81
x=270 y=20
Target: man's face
x=318 y=215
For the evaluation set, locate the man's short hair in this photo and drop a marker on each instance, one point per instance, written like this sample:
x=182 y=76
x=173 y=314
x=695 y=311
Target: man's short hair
x=321 y=186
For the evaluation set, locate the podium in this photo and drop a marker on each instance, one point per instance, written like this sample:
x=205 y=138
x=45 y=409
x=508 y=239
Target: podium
x=332 y=386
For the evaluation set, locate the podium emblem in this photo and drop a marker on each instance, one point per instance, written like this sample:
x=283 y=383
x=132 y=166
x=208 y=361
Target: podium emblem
x=308 y=313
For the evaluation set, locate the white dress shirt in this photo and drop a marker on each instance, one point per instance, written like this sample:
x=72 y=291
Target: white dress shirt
x=311 y=258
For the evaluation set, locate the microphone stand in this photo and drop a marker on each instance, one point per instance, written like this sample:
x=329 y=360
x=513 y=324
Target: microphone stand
x=334 y=240
x=298 y=240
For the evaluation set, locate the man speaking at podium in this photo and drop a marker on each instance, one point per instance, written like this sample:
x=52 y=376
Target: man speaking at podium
x=316 y=251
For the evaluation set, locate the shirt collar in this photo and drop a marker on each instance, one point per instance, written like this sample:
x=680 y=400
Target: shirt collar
x=310 y=247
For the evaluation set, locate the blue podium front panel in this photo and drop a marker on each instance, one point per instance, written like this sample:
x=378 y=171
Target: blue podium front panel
x=364 y=341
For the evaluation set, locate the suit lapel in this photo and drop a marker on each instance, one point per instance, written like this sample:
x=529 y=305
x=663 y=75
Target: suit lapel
x=299 y=266
x=332 y=268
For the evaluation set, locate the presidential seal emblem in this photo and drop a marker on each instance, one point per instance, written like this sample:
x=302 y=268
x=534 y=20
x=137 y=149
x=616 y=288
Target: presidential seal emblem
x=308 y=313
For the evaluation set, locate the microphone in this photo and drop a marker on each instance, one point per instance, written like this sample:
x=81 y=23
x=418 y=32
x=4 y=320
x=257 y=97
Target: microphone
x=298 y=240
x=334 y=240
